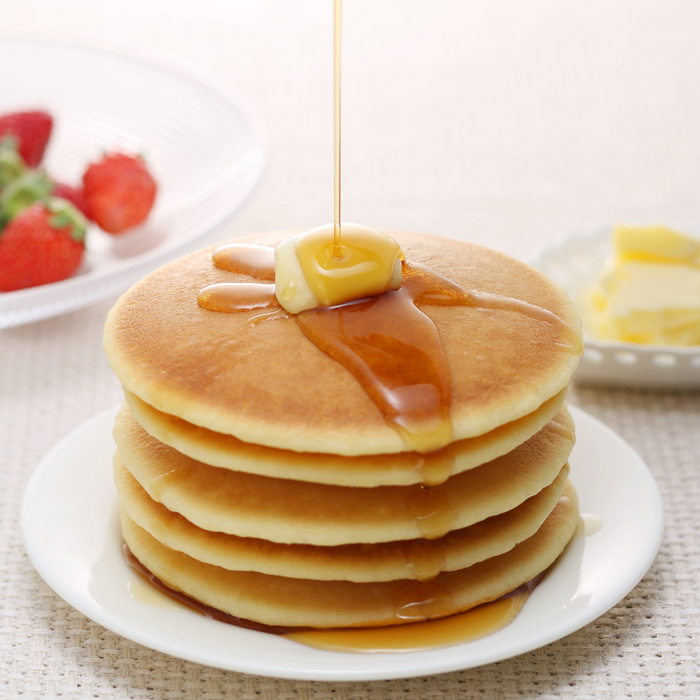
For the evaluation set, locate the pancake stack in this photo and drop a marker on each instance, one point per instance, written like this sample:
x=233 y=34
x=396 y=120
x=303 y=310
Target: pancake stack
x=258 y=476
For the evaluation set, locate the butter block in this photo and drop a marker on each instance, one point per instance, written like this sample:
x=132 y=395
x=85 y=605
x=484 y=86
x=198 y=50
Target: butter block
x=655 y=244
x=650 y=292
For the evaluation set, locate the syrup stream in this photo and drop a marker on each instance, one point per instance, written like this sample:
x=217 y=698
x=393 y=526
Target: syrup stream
x=337 y=23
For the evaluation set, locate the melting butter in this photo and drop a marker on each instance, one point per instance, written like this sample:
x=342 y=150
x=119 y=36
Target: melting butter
x=309 y=275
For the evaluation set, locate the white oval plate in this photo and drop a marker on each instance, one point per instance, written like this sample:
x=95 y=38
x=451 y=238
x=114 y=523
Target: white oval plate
x=70 y=526
x=574 y=262
x=202 y=142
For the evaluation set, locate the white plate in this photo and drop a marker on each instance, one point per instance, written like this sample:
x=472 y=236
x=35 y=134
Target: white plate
x=574 y=262
x=203 y=145
x=71 y=531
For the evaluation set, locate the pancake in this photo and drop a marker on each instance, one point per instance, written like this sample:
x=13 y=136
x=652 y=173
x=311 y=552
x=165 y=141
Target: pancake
x=297 y=512
x=267 y=384
x=277 y=600
x=402 y=469
x=360 y=563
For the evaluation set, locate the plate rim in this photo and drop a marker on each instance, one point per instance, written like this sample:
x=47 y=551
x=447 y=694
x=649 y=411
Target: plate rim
x=95 y=612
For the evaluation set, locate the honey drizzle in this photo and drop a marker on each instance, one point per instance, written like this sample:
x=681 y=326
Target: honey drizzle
x=255 y=260
x=432 y=289
x=232 y=297
x=387 y=343
x=394 y=350
x=410 y=600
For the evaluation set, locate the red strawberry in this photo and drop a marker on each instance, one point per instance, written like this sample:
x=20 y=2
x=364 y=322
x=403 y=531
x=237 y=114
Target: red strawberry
x=43 y=244
x=119 y=191
x=32 y=130
x=75 y=195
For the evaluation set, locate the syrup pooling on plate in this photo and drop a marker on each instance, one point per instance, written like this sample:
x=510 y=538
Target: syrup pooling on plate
x=410 y=600
x=463 y=627
x=389 y=345
x=206 y=610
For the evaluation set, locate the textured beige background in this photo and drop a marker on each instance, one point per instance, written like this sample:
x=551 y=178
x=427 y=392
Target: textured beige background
x=505 y=122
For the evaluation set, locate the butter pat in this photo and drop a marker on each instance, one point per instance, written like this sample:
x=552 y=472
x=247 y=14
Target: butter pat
x=291 y=288
x=650 y=292
x=309 y=275
x=655 y=244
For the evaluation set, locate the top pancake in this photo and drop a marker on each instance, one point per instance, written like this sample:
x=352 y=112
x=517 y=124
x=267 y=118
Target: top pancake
x=266 y=383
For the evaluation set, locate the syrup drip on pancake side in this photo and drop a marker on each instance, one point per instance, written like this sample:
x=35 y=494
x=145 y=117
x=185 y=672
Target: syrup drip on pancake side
x=425 y=560
x=206 y=610
x=389 y=345
x=460 y=628
x=412 y=600
x=432 y=510
x=436 y=467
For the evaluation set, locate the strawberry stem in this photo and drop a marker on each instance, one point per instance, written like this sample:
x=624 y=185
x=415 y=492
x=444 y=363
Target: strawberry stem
x=21 y=193
x=66 y=215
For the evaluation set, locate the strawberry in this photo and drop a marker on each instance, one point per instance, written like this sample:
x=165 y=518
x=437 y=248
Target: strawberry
x=32 y=131
x=119 y=191
x=75 y=195
x=42 y=244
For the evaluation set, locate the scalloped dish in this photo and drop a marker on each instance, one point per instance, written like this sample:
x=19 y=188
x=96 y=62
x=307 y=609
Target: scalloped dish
x=575 y=262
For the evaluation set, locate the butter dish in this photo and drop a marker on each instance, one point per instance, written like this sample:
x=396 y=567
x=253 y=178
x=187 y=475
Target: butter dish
x=575 y=261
